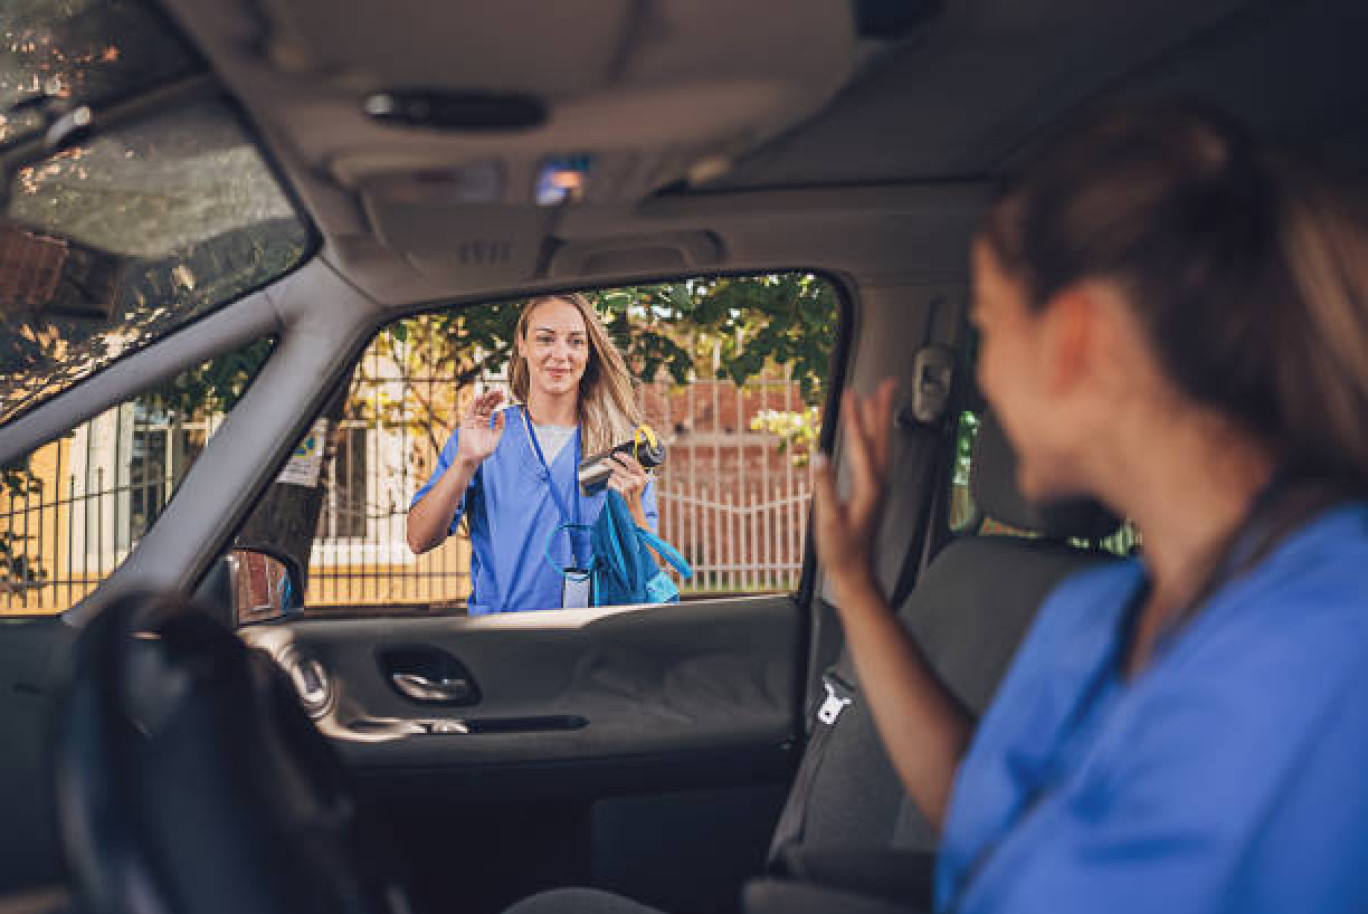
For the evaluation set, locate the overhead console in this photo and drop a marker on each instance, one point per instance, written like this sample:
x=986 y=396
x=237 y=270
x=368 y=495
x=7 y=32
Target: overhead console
x=448 y=85
x=501 y=113
x=457 y=135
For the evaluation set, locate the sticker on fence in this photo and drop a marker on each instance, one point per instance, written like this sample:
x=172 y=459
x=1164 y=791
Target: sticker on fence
x=306 y=463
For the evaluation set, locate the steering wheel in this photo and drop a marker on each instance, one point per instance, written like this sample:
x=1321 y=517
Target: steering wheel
x=189 y=779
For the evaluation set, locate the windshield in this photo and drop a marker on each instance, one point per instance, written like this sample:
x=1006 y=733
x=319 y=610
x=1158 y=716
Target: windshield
x=112 y=243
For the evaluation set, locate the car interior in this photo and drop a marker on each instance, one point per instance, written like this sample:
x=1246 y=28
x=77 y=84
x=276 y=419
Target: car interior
x=159 y=750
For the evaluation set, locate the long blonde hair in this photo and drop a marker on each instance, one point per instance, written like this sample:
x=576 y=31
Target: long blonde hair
x=608 y=410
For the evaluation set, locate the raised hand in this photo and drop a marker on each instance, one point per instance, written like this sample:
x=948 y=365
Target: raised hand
x=629 y=477
x=477 y=438
x=844 y=531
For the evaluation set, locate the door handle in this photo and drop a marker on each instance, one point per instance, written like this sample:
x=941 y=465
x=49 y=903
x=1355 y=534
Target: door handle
x=421 y=688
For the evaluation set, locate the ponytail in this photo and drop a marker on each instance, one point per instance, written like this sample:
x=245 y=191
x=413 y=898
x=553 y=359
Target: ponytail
x=1322 y=378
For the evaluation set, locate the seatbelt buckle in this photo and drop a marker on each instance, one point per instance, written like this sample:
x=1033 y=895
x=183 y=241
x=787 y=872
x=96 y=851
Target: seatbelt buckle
x=834 y=703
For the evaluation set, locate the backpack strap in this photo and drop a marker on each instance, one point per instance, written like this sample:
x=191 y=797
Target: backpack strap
x=665 y=551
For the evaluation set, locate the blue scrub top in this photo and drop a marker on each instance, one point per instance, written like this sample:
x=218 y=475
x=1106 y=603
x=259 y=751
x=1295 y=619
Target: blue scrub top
x=511 y=515
x=1230 y=776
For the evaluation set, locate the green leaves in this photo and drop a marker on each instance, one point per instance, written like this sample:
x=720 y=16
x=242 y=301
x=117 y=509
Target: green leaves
x=733 y=327
x=730 y=327
x=796 y=431
x=215 y=386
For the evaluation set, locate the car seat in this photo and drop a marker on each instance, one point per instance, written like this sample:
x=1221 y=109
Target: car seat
x=849 y=836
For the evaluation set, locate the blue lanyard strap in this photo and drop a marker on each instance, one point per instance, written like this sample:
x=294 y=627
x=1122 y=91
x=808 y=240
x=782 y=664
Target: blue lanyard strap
x=569 y=518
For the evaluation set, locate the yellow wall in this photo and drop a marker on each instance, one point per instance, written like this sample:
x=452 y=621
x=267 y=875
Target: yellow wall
x=436 y=578
x=47 y=534
x=440 y=577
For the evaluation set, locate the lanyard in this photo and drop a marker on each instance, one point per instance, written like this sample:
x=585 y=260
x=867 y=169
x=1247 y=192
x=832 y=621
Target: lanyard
x=568 y=518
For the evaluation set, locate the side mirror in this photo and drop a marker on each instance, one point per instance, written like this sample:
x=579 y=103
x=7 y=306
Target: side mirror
x=254 y=584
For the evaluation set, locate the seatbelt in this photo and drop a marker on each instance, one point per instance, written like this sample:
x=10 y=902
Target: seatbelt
x=788 y=834
x=923 y=422
x=930 y=477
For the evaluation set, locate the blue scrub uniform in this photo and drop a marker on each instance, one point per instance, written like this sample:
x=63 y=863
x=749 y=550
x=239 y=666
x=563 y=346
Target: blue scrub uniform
x=1230 y=776
x=511 y=515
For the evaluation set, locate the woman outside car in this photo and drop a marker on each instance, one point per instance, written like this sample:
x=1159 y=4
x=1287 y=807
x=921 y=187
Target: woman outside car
x=512 y=472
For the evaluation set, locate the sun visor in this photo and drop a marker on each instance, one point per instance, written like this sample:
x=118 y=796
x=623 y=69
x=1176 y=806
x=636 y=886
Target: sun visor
x=553 y=49
x=466 y=132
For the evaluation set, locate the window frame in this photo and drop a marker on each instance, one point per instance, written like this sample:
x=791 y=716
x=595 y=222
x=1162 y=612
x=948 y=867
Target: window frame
x=846 y=314
x=124 y=544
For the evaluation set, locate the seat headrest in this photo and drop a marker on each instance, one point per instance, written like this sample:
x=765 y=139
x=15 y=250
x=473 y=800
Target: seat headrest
x=993 y=486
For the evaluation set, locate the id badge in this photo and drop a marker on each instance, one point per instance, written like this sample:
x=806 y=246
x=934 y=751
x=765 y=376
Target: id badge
x=577 y=589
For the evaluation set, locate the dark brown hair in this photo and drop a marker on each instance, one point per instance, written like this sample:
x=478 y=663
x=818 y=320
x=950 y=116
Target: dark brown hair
x=1248 y=269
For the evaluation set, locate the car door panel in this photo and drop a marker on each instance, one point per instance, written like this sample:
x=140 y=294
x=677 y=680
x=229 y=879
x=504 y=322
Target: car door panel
x=640 y=749
x=563 y=685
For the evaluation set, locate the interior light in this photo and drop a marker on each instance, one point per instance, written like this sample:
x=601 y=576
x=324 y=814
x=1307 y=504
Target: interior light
x=563 y=180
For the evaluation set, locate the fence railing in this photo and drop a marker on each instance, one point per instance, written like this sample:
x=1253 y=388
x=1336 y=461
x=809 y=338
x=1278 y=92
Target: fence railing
x=86 y=503
x=728 y=499
x=733 y=505
x=750 y=542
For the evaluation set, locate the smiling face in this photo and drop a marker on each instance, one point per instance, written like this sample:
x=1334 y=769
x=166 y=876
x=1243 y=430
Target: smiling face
x=556 y=346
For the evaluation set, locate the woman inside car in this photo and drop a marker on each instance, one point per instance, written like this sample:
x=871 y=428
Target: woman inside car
x=1173 y=321
x=513 y=472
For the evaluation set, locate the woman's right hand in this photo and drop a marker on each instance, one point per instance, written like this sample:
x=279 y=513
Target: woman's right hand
x=477 y=438
x=844 y=531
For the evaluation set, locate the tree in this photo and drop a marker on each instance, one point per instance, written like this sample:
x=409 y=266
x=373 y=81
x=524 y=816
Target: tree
x=750 y=326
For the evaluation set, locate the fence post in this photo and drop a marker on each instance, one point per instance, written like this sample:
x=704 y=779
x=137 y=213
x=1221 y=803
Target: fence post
x=748 y=540
x=730 y=521
x=71 y=539
x=770 y=554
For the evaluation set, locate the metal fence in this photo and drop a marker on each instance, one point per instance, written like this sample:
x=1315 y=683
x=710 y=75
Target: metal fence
x=86 y=501
x=728 y=499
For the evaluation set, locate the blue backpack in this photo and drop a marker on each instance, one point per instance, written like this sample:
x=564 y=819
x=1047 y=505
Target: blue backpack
x=623 y=568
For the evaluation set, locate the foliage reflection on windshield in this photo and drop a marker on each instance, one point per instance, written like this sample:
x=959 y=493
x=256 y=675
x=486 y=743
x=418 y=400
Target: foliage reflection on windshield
x=114 y=243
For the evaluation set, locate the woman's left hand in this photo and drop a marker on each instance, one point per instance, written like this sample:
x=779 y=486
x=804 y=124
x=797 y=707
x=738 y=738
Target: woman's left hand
x=629 y=478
